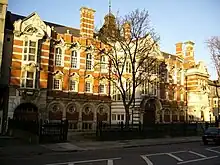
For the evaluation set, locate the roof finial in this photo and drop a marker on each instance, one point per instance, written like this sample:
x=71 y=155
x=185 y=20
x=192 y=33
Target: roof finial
x=109 y=7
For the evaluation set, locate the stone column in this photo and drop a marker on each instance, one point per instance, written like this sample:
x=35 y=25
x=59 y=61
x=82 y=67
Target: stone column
x=79 y=126
x=171 y=115
x=95 y=110
x=162 y=112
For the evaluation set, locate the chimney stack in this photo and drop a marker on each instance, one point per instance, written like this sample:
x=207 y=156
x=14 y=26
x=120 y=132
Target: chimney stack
x=87 y=22
x=189 y=48
x=179 y=48
x=189 y=53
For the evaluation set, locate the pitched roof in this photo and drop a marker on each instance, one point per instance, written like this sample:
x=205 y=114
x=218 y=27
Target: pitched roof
x=11 y=18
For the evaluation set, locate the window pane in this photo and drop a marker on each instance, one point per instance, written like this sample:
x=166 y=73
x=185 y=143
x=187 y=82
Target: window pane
x=101 y=88
x=122 y=117
x=32 y=50
x=25 y=50
x=74 y=59
x=25 y=57
x=72 y=85
x=88 y=61
x=58 y=57
x=87 y=87
x=30 y=75
x=29 y=83
x=31 y=57
x=56 y=84
x=26 y=43
x=32 y=44
x=118 y=117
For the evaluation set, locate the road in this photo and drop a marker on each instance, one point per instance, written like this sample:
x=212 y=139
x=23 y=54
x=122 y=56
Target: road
x=176 y=154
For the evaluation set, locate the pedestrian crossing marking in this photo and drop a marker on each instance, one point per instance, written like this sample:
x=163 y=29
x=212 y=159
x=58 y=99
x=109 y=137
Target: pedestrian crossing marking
x=110 y=161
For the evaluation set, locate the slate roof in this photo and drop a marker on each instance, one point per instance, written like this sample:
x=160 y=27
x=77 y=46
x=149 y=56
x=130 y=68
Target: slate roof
x=11 y=18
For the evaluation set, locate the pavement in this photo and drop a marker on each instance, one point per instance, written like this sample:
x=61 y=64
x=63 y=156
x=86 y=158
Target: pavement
x=12 y=147
x=96 y=145
x=194 y=153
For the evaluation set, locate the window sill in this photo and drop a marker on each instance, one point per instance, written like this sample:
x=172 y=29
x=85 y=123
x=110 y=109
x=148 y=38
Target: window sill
x=57 y=89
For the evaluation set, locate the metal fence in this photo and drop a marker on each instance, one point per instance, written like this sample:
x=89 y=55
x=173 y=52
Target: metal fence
x=120 y=131
x=47 y=132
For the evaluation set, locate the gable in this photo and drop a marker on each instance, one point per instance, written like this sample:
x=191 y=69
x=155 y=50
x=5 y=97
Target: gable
x=32 y=25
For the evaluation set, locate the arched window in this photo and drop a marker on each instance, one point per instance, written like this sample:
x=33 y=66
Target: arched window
x=74 y=59
x=88 y=61
x=58 y=57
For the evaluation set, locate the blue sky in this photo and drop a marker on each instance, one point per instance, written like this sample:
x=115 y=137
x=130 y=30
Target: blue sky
x=174 y=20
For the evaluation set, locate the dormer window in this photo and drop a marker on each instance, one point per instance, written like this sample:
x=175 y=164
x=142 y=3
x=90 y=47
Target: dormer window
x=58 y=57
x=30 y=50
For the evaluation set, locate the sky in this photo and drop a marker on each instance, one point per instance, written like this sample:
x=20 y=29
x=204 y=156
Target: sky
x=174 y=20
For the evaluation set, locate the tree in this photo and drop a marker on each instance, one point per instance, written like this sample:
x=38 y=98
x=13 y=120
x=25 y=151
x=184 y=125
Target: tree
x=214 y=47
x=132 y=52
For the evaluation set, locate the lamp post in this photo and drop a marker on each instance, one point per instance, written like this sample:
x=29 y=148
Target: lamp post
x=216 y=87
x=186 y=99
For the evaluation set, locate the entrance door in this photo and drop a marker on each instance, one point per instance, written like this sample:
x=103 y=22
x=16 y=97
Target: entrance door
x=149 y=114
x=26 y=111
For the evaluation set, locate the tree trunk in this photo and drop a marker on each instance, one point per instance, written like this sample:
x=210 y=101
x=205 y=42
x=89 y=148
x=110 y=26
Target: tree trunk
x=127 y=117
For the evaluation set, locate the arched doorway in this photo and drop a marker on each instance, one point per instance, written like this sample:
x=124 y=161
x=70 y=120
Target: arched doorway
x=26 y=111
x=150 y=112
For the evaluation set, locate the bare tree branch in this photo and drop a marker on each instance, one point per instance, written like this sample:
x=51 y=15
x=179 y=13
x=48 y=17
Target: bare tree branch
x=214 y=47
x=132 y=53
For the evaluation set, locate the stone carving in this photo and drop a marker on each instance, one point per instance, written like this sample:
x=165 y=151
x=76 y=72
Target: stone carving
x=32 y=25
x=30 y=67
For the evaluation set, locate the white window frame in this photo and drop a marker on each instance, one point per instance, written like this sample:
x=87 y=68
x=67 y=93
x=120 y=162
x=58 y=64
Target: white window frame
x=77 y=57
x=60 y=84
x=76 y=85
x=104 y=88
x=25 y=78
x=60 y=54
x=103 y=65
x=91 y=60
x=28 y=47
x=90 y=87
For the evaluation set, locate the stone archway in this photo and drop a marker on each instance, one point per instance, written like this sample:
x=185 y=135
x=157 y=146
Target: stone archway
x=55 y=110
x=26 y=111
x=151 y=107
x=102 y=113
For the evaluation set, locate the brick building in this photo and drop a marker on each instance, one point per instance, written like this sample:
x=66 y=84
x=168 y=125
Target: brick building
x=51 y=74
